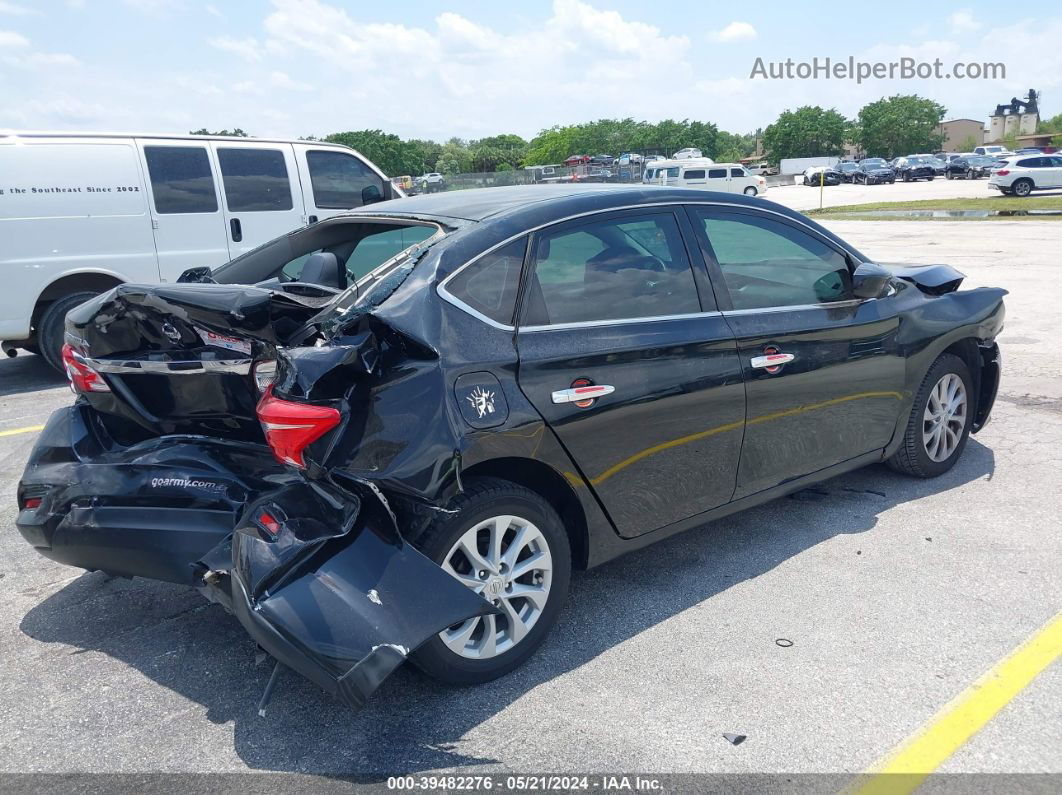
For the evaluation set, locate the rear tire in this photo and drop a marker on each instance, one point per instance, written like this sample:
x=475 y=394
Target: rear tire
x=1022 y=187
x=475 y=659
x=52 y=326
x=935 y=436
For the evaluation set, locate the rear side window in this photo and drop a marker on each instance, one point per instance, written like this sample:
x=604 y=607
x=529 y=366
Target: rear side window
x=490 y=284
x=1033 y=162
x=338 y=179
x=717 y=173
x=181 y=180
x=694 y=173
x=623 y=267
x=256 y=180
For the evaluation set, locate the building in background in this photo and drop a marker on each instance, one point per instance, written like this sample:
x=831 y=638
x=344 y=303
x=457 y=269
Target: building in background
x=956 y=133
x=1017 y=117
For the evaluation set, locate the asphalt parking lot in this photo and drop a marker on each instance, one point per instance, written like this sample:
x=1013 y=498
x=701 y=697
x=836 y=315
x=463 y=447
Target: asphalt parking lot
x=897 y=595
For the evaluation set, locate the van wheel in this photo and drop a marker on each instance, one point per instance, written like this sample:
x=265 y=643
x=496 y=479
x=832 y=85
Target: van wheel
x=506 y=543
x=750 y=191
x=52 y=327
x=1022 y=187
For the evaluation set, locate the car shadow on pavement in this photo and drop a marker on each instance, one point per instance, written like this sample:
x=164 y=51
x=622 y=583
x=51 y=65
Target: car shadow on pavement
x=172 y=636
x=27 y=373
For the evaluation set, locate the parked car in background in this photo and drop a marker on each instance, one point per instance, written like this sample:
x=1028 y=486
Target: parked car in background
x=577 y=160
x=1020 y=176
x=81 y=213
x=705 y=174
x=914 y=167
x=822 y=175
x=938 y=164
x=970 y=167
x=874 y=171
x=602 y=160
x=992 y=149
x=1031 y=150
x=411 y=468
x=683 y=154
x=847 y=169
x=432 y=182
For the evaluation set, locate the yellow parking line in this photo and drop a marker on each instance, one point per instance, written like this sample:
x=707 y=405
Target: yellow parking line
x=27 y=429
x=904 y=769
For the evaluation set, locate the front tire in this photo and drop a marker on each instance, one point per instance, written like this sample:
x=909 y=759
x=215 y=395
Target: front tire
x=939 y=425
x=52 y=327
x=506 y=543
x=750 y=191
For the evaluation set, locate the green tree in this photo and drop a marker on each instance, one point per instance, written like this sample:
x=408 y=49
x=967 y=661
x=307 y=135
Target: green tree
x=393 y=155
x=967 y=144
x=810 y=131
x=235 y=133
x=900 y=125
x=1054 y=124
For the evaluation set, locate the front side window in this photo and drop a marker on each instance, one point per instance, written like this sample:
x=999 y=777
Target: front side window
x=623 y=267
x=717 y=173
x=738 y=172
x=338 y=179
x=491 y=283
x=181 y=180
x=768 y=263
x=256 y=180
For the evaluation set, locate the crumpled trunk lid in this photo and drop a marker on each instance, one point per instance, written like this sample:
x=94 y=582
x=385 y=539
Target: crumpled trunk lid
x=180 y=358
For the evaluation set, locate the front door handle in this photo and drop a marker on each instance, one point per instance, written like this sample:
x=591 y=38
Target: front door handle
x=580 y=393
x=237 y=230
x=771 y=361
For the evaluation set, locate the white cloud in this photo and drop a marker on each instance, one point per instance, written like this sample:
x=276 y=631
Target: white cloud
x=963 y=22
x=735 y=31
x=10 y=40
x=14 y=9
x=247 y=48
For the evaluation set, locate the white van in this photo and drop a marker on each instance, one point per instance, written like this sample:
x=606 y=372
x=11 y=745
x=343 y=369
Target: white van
x=706 y=174
x=80 y=213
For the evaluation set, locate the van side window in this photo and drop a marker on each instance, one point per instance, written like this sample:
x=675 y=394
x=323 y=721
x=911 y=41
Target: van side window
x=693 y=173
x=490 y=284
x=256 y=180
x=738 y=172
x=717 y=173
x=338 y=179
x=181 y=181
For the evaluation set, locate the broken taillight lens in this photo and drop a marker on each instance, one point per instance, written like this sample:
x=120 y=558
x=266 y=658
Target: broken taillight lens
x=83 y=378
x=291 y=427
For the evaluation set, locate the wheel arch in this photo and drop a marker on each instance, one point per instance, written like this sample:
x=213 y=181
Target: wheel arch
x=549 y=484
x=73 y=283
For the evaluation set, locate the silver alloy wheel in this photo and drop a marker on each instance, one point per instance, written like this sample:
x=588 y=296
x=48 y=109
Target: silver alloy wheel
x=507 y=560
x=945 y=417
x=750 y=191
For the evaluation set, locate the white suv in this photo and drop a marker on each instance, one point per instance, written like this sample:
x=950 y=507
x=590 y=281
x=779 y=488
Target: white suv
x=1020 y=176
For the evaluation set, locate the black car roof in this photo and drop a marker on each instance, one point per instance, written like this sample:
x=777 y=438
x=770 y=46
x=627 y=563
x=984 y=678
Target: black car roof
x=479 y=204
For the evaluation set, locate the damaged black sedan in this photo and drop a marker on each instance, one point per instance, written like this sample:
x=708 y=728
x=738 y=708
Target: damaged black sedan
x=393 y=434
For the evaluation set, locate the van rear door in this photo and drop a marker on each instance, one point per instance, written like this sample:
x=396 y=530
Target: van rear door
x=335 y=180
x=262 y=195
x=185 y=205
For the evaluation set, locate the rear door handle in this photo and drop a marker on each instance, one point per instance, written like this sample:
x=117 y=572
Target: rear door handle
x=237 y=230
x=771 y=360
x=581 y=393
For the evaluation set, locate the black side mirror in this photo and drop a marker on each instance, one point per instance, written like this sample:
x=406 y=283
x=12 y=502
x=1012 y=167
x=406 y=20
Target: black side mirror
x=870 y=280
x=199 y=275
x=370 y=194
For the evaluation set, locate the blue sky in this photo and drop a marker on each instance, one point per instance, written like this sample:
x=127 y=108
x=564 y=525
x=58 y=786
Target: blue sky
x=448 y=67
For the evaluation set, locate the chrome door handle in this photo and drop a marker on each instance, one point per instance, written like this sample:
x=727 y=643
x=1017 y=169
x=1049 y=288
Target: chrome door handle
x=771 y=360
x=580 y=393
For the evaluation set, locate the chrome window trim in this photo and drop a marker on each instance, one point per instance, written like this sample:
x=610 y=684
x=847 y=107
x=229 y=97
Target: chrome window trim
x=797 y=307
x=443 y=293
x=619 y=321
x=190 y=367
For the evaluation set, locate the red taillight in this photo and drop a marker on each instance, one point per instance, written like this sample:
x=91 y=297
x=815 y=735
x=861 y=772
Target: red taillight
x=269 y=523
x=30 y=503
x=291 y=427
x=1003 y=172
x=82 y=377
